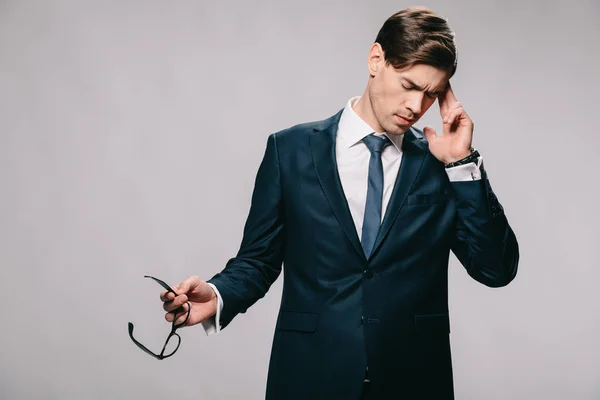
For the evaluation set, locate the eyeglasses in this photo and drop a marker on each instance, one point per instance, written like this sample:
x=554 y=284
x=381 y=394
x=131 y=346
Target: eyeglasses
x=174 y=326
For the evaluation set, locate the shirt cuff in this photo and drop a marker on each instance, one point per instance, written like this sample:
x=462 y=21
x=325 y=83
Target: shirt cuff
x=212 y=325
x=466 y=172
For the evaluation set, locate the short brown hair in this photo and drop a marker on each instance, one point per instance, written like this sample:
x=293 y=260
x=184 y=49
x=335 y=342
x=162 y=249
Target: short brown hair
x=417 y=35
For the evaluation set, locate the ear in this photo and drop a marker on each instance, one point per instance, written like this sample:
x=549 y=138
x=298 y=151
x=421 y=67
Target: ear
x=376 y=59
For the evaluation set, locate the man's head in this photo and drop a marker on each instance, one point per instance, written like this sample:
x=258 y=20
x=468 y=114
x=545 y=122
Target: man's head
x=410 y=64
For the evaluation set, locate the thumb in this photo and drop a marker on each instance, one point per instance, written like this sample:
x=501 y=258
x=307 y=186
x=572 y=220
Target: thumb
x=430 y=133
x=188 y=284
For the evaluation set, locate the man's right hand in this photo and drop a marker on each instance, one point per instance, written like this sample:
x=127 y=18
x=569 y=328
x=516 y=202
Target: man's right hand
x=200 y=295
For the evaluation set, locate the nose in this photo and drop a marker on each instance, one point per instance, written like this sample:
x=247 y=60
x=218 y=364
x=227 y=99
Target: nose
x=415 y=103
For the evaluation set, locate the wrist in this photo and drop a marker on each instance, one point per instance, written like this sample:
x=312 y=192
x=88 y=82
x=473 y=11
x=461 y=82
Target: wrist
x=468 y=158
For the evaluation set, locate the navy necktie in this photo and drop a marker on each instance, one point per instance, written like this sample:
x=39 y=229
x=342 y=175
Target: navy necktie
x=372 y=220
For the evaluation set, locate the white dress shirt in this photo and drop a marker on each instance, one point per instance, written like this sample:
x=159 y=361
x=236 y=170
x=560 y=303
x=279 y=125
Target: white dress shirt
x=352 y=157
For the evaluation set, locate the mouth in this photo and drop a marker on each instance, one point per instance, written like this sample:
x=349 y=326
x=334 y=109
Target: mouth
x=403 y=121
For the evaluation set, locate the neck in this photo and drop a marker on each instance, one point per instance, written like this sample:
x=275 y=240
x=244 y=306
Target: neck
x=364 y=110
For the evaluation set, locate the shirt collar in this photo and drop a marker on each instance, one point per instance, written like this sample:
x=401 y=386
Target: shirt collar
x=352 y=128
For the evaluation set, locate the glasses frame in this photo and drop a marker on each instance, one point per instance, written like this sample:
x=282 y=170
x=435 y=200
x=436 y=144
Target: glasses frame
x=174 y=326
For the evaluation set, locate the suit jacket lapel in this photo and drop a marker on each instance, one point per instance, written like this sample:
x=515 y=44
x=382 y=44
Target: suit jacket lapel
x=322 y=144
x=414 y=152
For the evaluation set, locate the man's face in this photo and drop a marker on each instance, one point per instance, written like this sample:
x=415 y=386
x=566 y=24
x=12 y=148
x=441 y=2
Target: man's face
x=399 y=98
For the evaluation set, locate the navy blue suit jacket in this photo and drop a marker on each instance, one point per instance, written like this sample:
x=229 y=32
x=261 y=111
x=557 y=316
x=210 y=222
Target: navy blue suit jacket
x=341 y=312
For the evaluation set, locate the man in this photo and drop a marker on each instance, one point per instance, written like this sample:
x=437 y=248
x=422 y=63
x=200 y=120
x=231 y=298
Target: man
x=363 y=209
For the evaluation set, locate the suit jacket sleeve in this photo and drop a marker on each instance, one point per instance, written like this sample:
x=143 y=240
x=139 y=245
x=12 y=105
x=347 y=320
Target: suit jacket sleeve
x=248 y=276
x=484 y=242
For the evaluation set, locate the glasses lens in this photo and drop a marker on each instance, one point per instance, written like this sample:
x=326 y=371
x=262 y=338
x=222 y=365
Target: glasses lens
x=171 y=345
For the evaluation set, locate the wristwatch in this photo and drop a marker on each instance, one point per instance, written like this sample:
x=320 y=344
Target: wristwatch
x=468 y=159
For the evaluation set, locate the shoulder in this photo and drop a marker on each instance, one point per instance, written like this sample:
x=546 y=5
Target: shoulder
x=302 y=131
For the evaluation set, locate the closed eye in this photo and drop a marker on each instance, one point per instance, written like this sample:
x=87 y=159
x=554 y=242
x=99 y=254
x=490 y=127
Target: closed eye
x=431 y=95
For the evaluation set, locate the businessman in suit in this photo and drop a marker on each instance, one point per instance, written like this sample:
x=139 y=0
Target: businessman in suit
x=363 y=209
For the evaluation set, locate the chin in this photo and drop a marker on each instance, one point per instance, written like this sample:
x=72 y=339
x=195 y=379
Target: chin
x=395 y=129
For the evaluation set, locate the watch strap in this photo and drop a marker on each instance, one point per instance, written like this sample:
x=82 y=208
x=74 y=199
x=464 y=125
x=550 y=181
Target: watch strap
x=468 y=159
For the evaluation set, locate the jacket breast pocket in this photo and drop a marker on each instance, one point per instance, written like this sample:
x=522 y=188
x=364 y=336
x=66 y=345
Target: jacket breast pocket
x=432 y=323
x=297 y=321
x=425 y=199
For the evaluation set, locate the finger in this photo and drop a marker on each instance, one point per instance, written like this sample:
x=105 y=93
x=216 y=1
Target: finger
x=450 y=94
x=454 y=115
x=166 y=295
x=176 y=303
x=188 y=284
x=445 y=106
x=179 y=316
x=180 y=311
x=450 y=109
x=430 y=133
x=447 y=101
x=169 y=317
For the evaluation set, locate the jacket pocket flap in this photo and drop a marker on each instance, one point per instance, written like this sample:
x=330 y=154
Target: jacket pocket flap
x=297 y=321
x=432 y=322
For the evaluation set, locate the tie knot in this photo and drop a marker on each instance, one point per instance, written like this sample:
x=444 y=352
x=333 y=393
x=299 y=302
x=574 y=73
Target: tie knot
x=376 y=143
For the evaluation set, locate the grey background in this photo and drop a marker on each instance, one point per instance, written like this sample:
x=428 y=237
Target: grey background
x=130 y=136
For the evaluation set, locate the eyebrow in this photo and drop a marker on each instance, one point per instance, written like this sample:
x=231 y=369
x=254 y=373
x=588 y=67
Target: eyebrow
x=418 y=87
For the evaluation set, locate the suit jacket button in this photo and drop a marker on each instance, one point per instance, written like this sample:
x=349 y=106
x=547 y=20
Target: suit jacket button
x=368 y=274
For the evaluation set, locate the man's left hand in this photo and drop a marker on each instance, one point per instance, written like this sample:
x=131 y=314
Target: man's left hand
x=455 y=141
